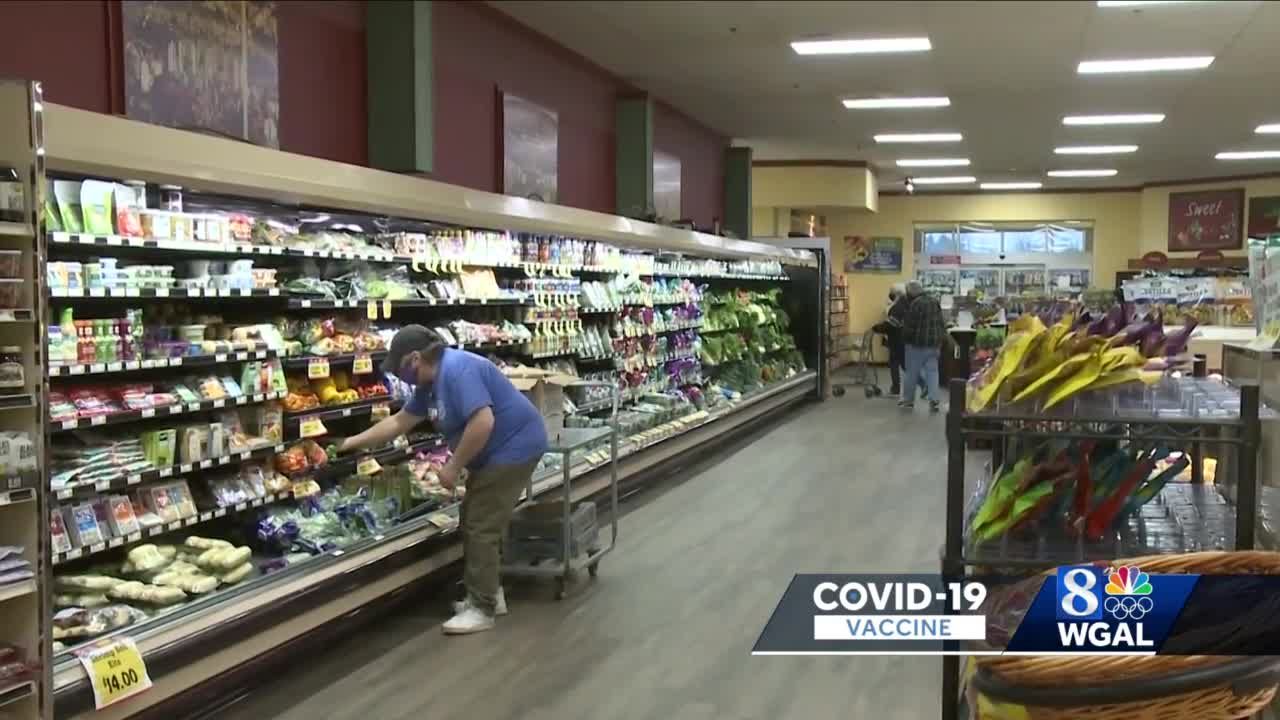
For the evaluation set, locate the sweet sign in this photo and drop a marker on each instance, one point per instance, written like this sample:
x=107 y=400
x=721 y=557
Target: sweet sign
x=1206 y=220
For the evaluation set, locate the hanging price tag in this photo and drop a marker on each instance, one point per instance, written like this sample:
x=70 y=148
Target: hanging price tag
x=317 y=368
x=116 y=671
x=386 y=309
x=417 y=262
x=371 y=310
x=362 y=365
x=368 y=466
x=310 y=427
x=380 y=411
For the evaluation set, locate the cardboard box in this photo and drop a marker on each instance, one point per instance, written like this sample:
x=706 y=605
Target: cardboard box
x=544 y=389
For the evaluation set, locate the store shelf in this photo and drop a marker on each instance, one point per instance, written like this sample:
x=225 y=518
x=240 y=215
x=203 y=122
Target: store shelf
x=300 y=362
x=20 y=691
x=13 y=229
x=174 y=526
x=17 y=402
x=188 y=361
x=163 y=412
x=329 y=304
x=595 y=405
x=123 y=482
x=18 y=495
x=16 y=315
x=161 y=293
x=552 y=354
x=17 y=589
x=348 y=465
x=599 y=310
x=337 y=412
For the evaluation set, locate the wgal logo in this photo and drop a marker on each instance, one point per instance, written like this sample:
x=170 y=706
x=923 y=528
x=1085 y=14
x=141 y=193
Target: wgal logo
x=1125 y=595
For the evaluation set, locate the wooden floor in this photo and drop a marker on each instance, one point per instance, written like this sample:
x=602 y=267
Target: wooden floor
x=666 y=631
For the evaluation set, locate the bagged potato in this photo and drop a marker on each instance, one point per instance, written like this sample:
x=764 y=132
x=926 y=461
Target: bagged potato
x=1022 y=333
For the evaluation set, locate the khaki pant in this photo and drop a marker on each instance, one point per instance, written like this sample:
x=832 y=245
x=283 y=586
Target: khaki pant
x=487 y=507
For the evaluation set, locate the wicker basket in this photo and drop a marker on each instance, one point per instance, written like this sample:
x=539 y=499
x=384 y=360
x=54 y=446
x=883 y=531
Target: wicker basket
x=1189 y=687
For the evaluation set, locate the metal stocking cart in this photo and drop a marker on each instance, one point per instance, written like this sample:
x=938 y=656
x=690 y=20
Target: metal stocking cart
x=555 y=538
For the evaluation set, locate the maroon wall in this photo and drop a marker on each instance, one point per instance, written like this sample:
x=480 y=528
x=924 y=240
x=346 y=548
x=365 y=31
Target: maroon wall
x=74 y=47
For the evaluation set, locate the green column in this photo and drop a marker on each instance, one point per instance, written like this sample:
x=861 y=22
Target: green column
x=398 y=41
x=737 y=191
x=633 y=164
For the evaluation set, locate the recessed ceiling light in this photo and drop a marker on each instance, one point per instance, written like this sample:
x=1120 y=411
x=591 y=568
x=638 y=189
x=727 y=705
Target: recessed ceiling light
x=934 y=162
x=1268 y=129
x=919 y=137
x=1095 y=149
x=1134 y=119
x=1249 y=155
x=1136 y=3
x=1081 y=173
x=944 y=180
x=1011 y=185
x=1088 y=67
x=861 y=47
x=898 y=102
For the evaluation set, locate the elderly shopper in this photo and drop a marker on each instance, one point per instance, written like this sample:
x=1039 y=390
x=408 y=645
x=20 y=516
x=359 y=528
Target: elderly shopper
x=923 y=329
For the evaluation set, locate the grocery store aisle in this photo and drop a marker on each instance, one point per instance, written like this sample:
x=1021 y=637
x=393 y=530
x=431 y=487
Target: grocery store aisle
x=666 y=631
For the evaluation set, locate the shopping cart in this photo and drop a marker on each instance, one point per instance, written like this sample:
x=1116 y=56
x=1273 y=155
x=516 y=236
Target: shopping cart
x=863 y=371
x=558 y=538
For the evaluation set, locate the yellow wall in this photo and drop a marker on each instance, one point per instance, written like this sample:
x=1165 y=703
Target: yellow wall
x=813 y=186
x=1126 y=224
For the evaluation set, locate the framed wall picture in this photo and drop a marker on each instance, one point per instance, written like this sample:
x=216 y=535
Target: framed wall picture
x=1206 y=220
x=1264 y=216
x=207 y=66
x=530 y=149
x=872 y=254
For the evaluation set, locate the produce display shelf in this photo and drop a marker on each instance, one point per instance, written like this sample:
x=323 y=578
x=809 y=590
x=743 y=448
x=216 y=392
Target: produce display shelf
x=331 y=304
x=21 y=691
x=163 y=412
x=551 y=354
x=173 y=526
x=335 y=412
x=16 y=315
x=719 y=276
x=154 y=293
x=595 y=405
x=301 y=361
x=348 y=465
x=122 y=482
x=596 y=310
x=660 y=303
x=17 y=589
x=185 y=361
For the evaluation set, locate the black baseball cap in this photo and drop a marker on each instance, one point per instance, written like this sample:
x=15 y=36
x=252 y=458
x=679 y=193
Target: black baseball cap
x=409 y=338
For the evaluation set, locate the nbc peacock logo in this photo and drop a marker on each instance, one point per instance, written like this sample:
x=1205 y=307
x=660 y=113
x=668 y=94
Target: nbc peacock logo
x=1128 y=594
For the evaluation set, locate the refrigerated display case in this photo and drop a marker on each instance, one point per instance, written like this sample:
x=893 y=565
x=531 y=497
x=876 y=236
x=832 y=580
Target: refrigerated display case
x=228 y=313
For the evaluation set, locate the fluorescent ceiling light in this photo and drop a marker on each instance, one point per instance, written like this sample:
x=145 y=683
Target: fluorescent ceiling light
x=1011 y=185
x=1139 y=3
x=1088 y=67
x=1249 y=155
x=898 y=102
x=1134 y=119
x=861 y=47
x=934 y=162
x=919 y=137
x=1095 y=149
x=944 y=180
x=1081 y=173
x=1268 y=129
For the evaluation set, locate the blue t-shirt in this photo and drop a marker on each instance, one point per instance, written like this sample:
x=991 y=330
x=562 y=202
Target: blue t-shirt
x=465 y=383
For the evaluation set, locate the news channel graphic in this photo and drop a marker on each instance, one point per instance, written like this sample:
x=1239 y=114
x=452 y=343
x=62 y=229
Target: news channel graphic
x=1080 y=609
x=874 y=614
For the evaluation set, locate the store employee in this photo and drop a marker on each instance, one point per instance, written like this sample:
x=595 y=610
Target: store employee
x=493 y=431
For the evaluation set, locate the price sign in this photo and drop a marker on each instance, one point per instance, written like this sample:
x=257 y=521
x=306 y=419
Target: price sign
x=386 y=309
x=380 y=411
x=116 y=671
x=371 y=310
x=318 y=368
x=310 y=427
x=368 y=466
x=362 y=365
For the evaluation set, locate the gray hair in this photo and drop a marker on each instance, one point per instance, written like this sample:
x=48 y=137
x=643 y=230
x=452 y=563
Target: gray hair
x=914 y=288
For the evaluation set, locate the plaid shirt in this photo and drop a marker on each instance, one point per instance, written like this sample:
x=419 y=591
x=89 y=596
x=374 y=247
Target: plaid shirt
x=924 y=326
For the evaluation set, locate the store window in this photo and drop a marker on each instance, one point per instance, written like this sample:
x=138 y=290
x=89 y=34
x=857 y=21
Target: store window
x=1004 y=258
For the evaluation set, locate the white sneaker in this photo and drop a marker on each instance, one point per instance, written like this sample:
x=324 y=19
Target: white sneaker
x=470 y=620
x=499 y=609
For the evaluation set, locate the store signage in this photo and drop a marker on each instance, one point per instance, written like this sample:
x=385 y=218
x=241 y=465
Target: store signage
x=318 y=368
x=944 y=259
x=312 y=426
x=876 y=254
x=368 y=466
x=1206 y=220
x=362 y=365
x=380 y=411
x=116 y=671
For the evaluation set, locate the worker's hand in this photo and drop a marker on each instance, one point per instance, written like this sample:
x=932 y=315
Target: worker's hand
x=448 y=476
x=340 y=443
